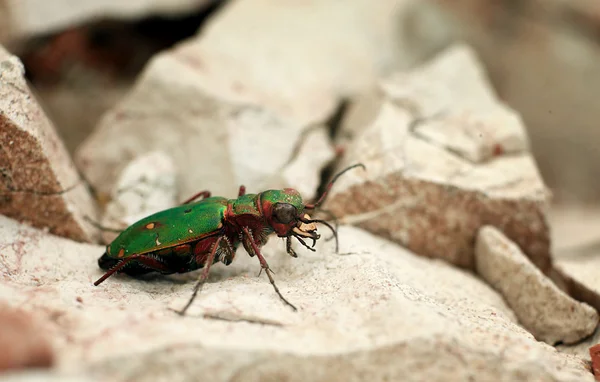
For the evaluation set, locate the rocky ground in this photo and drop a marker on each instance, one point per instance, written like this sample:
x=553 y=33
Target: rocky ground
x=453 y=262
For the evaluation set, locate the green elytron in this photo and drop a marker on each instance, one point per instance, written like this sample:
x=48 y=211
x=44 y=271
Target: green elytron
x=198 y=234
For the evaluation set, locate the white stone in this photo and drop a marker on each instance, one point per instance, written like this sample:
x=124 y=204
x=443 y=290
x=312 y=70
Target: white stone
x=375 y=310
x=546 y=311
x=230 y=112
x=39 y=182
x=432 y=189
x=146 y=186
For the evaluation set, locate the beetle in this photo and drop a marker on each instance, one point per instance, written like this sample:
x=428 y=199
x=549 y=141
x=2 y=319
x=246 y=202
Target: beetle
x=197 y=234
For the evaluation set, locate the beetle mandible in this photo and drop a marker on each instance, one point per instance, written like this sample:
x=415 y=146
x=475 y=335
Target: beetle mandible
x=197 y=234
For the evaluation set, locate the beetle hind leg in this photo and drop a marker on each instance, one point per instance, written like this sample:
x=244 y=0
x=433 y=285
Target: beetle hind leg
x=151 y=263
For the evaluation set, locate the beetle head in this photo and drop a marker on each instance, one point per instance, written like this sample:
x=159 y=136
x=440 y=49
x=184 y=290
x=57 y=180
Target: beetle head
x=284 y=212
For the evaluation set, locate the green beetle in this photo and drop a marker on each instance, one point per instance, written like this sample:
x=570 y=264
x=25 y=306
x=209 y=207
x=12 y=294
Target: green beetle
x=198 y=234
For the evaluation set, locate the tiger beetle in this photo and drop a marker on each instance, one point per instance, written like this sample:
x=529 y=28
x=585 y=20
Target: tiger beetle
x=197 y=234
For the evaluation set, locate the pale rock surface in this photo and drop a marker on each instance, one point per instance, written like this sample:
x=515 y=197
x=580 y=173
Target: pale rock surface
x=231 y=112
x=546 y=311
x=301 y=173
x=577 y=260
x=146 y=186
x=375 y=312
x=27 y=18
x=39 y=183
x=444 y=157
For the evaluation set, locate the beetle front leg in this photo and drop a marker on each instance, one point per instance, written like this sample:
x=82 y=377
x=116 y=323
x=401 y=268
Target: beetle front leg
x=202 y=279
x=263 y=263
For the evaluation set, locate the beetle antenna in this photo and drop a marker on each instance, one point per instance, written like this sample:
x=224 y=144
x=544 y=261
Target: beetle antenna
x=306 y=221
x=331 y=217
x=326 y=192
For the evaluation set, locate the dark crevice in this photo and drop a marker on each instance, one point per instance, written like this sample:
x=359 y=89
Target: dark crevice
x=334 y=125
x=113 y=47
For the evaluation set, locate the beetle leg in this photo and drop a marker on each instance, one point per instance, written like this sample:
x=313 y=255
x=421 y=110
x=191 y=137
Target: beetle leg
x=242 y=191
x=263 y=263
x=288 y=246
x=146 y=260
x=203 y=194
x=202 y=279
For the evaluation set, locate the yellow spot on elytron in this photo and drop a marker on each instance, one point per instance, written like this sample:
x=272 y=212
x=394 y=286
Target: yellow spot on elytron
x=121 y=253
x=220 y=225
x=157 y=242
x=149 y=225
x=190 y=230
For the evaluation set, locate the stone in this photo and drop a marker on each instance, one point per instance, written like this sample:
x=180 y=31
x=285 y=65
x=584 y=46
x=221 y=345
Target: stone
x=39 y=183
x=23 y=344
x=374 y=311
x=146 y=186
x=232 y=113
x=28 y=18
x=543 y=309
x=443 y=158
x=313 y=153
x=576 y=258
x=512 y=41
x=595 y=356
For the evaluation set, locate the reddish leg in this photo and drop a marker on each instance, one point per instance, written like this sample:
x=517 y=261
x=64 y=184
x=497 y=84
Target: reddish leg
x=202 y=279
x=203 y=194
x=263 y=264
x=242 y=191
x=149 y=261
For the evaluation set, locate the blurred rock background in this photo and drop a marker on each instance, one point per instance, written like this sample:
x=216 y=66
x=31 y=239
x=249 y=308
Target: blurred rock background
x=541 y=56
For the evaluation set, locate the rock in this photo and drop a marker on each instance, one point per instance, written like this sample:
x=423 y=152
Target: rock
x=546 y=311
x=577 y=258
x=146 y=186
x=444 y=157
x=301 y=173
x=360 y=312
x=39 y=183
x=595 y=356
x=232 y=113
x=512 y=41
x=27 y=18
x=23 y=344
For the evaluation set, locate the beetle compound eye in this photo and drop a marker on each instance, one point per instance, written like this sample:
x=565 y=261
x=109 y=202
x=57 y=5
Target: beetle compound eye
x=284 y=213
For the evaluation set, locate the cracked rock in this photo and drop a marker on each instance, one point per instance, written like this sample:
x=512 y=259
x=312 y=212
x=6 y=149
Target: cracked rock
x=232 y=113
x=146 y=186
x=444 y=157
x=546 y=311
x=39 y=183
x=374 y=310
